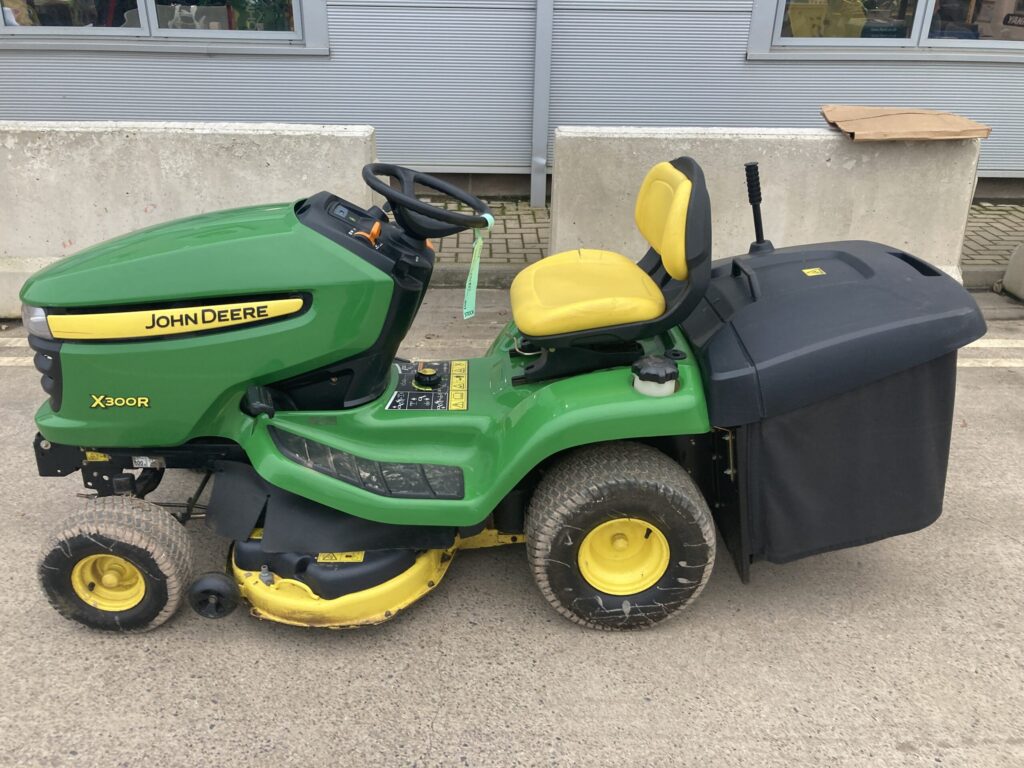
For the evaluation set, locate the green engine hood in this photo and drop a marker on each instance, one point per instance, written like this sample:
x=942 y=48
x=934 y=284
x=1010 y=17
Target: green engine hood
x=263 y=249
x=193 y=382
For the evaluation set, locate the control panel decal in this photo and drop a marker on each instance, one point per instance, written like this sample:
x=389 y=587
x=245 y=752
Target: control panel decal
x=431 y=386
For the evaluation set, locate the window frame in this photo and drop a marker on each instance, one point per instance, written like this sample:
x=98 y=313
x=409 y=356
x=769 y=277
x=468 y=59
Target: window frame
x=308 y=37
x=865 y=42
x=765 y=41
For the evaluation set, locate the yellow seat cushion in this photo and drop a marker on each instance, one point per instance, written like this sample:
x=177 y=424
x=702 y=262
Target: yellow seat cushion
x=583 y=289
x=661 y=209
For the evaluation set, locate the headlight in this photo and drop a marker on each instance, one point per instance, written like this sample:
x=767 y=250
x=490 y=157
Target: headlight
x=35 y=322
x=408 y=481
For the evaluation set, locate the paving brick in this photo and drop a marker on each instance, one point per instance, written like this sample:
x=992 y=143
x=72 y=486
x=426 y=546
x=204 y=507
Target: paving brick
x=993 y=231
x=520 y=235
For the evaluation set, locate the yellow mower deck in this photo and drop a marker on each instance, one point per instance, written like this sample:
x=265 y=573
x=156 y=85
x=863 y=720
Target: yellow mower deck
x=289 y=601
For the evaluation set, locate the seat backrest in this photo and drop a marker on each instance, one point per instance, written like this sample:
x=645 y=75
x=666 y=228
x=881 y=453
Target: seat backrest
x=673 y=213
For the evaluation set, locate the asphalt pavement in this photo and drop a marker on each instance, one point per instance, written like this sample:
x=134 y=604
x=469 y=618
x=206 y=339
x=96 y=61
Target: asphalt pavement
x=908 y=652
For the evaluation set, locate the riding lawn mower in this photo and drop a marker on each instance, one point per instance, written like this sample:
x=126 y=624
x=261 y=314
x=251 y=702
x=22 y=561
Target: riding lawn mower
x=791 y=400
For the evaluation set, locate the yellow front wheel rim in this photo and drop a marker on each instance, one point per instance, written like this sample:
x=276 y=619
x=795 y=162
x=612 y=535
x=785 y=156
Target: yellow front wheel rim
x=624 y=556
x=108 y=582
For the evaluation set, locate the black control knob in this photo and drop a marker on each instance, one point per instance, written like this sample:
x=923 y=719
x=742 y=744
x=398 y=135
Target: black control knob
x=427 y=378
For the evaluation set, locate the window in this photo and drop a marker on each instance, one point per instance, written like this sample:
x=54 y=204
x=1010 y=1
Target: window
x=909 y=26
x=980 y=20
x=860 y=19
x=234 y=15
x=170 y=23
x=38 y=14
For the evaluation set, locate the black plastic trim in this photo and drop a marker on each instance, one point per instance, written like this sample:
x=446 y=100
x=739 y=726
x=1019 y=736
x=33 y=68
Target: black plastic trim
x=47 y=362
x=242 y=501
x=374 y=471
x=314 y=213
x=60 y=460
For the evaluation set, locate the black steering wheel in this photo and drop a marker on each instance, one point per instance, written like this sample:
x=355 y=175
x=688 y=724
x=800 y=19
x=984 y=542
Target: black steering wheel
x=417 y=217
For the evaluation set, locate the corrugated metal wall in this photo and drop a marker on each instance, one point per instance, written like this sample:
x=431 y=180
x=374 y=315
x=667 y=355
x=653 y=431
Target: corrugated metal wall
x=448 y=83
x=443 y=83
x=683 y=63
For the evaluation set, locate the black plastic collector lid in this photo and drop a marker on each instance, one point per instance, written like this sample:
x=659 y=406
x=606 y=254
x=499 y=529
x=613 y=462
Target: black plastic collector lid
x=786 y=328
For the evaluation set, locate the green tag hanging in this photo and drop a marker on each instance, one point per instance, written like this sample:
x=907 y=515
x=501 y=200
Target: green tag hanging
x=469 y=300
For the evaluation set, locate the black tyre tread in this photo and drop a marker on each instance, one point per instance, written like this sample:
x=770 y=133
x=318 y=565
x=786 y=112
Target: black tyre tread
x=142 y=524
x=579 y=477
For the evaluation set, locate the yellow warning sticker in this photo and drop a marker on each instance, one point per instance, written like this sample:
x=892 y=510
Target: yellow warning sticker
x=814 y=271
x=96 y=456
x=256 y=535
x=340 y=557
x=458 y=390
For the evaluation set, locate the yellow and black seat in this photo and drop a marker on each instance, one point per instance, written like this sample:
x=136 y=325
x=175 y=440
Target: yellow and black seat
x=587 y=309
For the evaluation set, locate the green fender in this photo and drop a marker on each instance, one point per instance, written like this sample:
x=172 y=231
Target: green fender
x=504 y=434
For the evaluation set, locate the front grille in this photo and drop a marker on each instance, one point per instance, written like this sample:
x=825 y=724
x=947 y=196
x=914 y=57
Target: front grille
x=47 y=362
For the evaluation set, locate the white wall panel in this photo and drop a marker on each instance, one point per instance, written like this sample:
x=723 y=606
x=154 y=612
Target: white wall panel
x=684 y=64
x=443 y=83
x=448 y=83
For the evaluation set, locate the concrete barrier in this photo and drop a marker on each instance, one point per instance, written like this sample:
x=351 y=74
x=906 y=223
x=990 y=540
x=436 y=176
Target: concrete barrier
x=1013 y=280
x=818 y=185
x=66 y=186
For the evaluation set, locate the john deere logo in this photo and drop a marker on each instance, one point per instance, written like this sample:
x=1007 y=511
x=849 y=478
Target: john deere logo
x=106 y=401
x=167 y=322
x=208 y=316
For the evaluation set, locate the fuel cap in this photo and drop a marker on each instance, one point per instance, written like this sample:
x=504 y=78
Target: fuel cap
x=655 y=368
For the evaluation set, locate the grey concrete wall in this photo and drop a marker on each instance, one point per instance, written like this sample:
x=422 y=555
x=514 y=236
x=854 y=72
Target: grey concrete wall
x=818 y=185
x=66 y=186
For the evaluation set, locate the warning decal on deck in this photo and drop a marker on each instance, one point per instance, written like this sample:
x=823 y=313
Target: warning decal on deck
x=340 y=557
x=450 y=391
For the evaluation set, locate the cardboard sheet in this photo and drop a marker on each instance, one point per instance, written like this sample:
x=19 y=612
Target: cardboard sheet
x=901 y=123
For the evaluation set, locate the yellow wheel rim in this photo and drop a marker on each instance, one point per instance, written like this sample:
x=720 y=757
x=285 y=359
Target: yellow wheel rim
x=624 y=556
x=108 y=582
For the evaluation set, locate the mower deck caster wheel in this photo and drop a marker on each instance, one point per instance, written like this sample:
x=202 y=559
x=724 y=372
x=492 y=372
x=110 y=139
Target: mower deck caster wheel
x=120 y=564
x=213 y=595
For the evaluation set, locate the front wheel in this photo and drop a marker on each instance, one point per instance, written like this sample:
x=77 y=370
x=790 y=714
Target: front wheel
x=619 y=537
x=120 y=564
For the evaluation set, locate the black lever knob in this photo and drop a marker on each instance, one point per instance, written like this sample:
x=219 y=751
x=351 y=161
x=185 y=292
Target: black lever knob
x=753 y=183
x=754 y=196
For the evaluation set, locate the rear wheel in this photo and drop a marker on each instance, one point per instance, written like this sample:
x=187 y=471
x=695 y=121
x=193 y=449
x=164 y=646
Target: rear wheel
x=619 y=537
x=120 y=564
